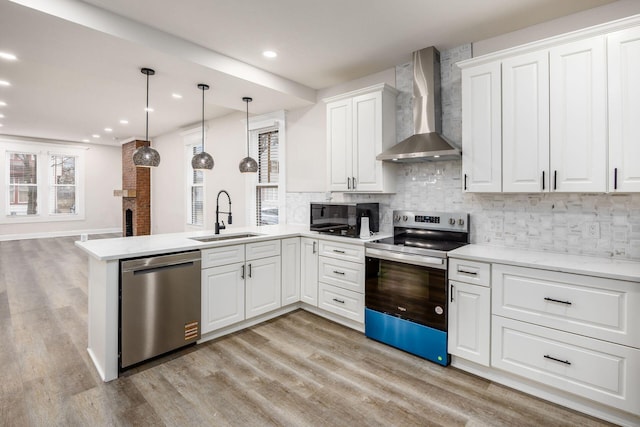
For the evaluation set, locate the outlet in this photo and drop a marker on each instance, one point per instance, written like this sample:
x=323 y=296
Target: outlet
x=591 y=230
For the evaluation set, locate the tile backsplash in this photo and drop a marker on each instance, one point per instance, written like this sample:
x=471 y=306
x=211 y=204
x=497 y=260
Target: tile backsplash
x=606 y=225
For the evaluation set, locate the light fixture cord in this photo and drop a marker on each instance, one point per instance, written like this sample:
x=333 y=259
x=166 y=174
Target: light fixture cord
x=247 y=101
x=203 y=119
x=147 y=111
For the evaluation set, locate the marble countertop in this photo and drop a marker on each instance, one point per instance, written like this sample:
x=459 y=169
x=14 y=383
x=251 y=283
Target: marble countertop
x=137 y=246
x=579 y=264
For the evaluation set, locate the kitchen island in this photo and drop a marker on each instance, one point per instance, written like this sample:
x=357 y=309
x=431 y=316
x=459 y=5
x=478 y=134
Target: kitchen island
x=104 y=275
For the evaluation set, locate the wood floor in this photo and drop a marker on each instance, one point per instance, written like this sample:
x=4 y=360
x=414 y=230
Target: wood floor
x=297 y=370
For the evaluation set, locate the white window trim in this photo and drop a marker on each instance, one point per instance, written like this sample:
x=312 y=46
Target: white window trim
x=191 y=137
x=277 y=120
x=43 y=151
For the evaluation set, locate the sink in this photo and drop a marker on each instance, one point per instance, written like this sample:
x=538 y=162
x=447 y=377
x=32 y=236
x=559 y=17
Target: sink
x=219 y=237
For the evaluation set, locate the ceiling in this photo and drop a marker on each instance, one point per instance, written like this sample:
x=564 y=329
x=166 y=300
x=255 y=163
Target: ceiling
x=78 y=62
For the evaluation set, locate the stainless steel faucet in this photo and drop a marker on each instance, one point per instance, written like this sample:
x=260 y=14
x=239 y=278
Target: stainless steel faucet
x=219 y=226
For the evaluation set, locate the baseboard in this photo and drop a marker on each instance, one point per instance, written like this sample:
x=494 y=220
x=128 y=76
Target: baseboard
x=49 y=234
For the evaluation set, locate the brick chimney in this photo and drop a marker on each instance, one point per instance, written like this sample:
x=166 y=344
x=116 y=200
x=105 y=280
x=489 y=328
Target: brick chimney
x=136 y=193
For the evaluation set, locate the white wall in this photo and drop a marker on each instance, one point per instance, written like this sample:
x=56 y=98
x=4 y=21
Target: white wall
x=102 y=210
x=598 y=15
x=226 y=142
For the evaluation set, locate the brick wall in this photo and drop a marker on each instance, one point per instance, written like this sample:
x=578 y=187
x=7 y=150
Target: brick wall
x=138 y=179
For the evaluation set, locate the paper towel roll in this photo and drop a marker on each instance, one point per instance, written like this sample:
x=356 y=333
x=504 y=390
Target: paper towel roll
x=365 y=233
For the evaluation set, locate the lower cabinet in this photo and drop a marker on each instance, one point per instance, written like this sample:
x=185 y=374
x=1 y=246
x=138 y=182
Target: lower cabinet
x=343 y=302
x=309 y=271
x=291 y=267
x=469 y=334
x=262 y=286
x=222 y=296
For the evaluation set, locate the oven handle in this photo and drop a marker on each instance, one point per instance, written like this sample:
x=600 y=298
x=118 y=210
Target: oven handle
x=422 y=260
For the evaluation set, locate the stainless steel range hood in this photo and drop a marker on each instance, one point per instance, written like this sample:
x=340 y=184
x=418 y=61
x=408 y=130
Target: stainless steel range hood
x=427 y=143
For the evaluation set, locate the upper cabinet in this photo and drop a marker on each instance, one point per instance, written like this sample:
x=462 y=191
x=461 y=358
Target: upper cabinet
x=360 y=125
x=551 y=131
x=481 y=128
x=623 y=49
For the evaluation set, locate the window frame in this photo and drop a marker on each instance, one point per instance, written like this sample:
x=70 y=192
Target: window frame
x=43 y=152
x=51 y=185
x=193 y=138
x=257 y=125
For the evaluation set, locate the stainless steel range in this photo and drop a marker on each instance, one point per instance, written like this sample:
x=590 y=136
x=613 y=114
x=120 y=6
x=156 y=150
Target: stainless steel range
x=406 y=282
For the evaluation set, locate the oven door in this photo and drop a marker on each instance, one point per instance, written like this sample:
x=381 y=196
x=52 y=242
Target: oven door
x=407 y=286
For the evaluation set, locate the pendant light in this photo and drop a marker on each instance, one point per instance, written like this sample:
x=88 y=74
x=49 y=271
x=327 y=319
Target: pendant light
x=202 y=160
x=248 y=164
x=146 y=156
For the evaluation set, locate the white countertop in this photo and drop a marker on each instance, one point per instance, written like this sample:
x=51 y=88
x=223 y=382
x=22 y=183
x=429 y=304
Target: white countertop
x=580 y=264
x=137 y=246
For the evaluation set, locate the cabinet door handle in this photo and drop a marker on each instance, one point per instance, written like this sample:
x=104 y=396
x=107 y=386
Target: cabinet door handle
x=615 y=178
x=465 y=182
x=452 y=289
x=341 y=301
x=314 y=247
x=242 y=274
x=566 y=362
x=555 y=180
x=338 y=251
x=557 y=300
x=249 y=270
x=348 y=183
x=473 y=273
x=353 y=182
x=543 y=180
x=338 y=272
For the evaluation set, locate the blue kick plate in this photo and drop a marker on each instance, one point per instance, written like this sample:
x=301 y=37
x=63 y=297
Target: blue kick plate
x=411 y=337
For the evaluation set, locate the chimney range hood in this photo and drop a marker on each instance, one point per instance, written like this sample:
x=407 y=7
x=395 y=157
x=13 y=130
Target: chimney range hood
x=427 y=143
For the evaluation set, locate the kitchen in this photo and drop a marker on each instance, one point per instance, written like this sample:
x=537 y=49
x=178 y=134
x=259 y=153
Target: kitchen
x=552 y=222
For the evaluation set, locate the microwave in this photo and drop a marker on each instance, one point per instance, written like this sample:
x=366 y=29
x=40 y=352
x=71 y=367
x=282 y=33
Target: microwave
x=343 y=219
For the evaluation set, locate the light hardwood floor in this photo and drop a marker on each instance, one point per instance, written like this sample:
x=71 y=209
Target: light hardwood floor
x=297 y=370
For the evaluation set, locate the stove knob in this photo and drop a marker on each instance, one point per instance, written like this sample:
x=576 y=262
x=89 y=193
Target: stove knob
x=405 y=218
x=461 y=221
x=452 y=221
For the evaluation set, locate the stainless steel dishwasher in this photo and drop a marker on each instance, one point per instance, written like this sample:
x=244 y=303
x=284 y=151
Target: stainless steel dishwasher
x=159 y=305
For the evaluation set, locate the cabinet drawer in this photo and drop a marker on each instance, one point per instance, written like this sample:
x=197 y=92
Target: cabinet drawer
x=594 y=369
x=345 y=274
x=342 y=302
x=215 y=257
x=262 y=249
x=343 y=251
x=596 y=307
x=476 y=273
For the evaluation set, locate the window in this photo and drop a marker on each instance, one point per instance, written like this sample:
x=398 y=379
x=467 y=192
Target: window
x=267 y=187
x=23 y=184
x=41 y=184
x=195 y=184
x=62 y=184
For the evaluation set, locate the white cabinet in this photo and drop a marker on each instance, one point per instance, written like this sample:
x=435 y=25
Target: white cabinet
x=578 y=109
x=360 y=125
x=262 y=286
x=623 y=50
x=290 y=270
x=309 y=271
x=469 y=333
x=525 y=123
x=481 y=128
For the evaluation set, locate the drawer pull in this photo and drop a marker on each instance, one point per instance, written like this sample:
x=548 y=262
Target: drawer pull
x=338 y=272
x=566 y=362
x=338 y=251
x=558 y=301
x=473 y=273
x=341 y=301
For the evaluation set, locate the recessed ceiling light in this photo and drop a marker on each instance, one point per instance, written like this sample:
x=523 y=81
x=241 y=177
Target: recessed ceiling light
x=149 y=109
x=108 y=130
x=176 y=95
x=436 y=156
x=269 y=54
x=8 y=56
x=1 y=116
x=95 y=135
x=3 y=104
x=85 y=140
x=4 y=83
x=1 y=125
x=124 y=122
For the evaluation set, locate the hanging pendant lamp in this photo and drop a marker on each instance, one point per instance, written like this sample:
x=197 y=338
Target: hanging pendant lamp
x=202 y=160
x=248 y=164
x=146 y=156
